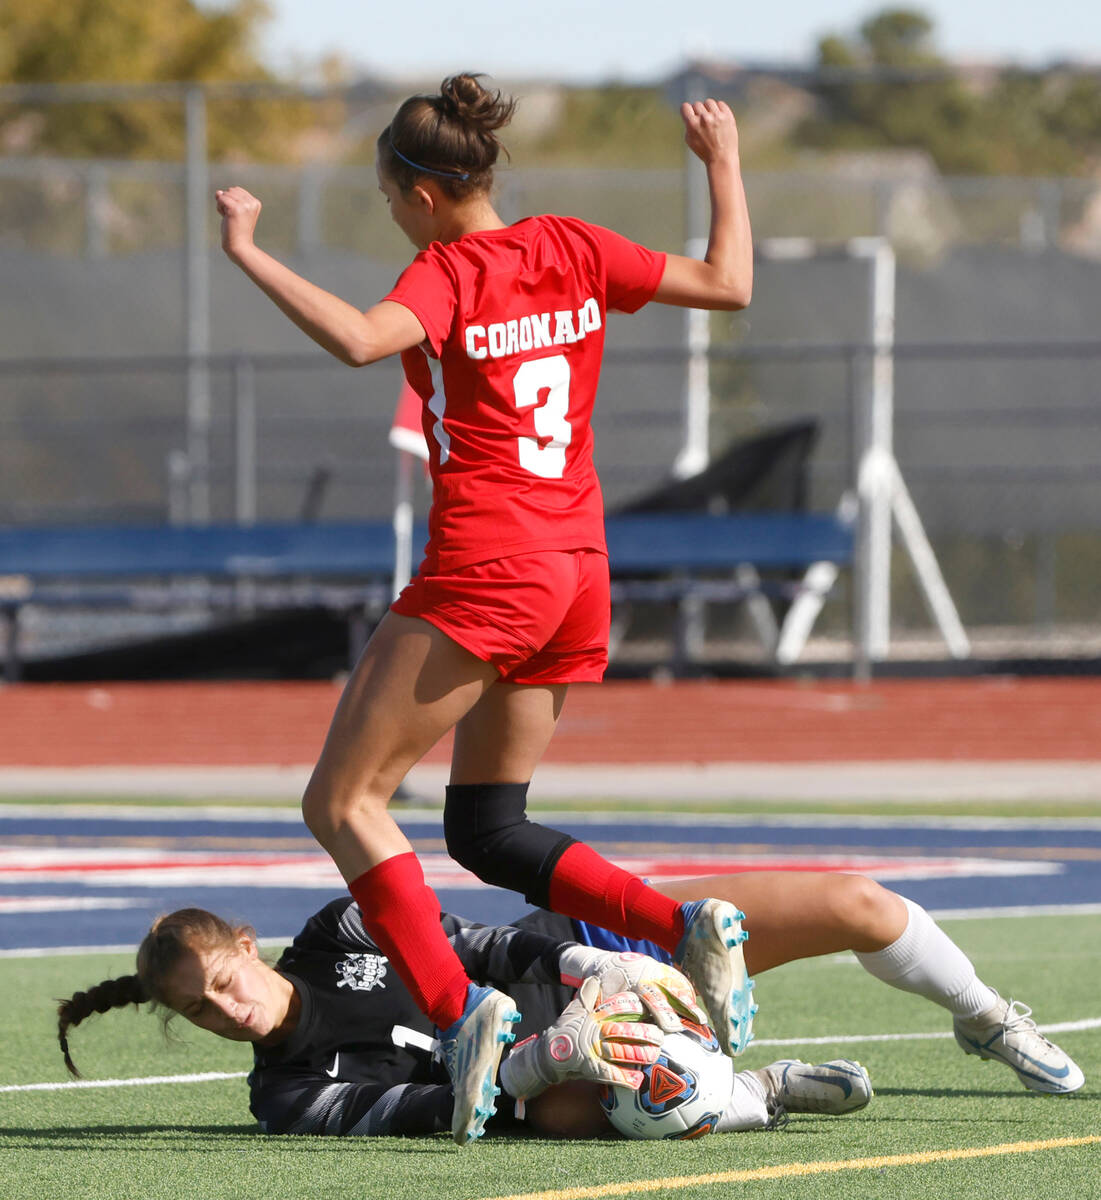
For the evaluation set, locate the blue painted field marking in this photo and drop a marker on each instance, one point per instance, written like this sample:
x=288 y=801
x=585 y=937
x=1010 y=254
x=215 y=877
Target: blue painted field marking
x=1047 y=862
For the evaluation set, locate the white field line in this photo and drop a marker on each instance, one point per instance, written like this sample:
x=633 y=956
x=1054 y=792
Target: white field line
x=144 y=1081
x=292 y=815
x=941 y=914
x=11 y=905
x=838 y=1039
x=832 y=782
x=1021 y=910
x=126 y=948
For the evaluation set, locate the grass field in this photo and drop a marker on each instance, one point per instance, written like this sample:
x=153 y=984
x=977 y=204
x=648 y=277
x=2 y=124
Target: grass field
x=197 y=1139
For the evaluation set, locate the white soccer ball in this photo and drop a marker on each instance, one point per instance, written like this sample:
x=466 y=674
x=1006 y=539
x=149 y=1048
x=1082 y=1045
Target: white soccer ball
x=683 y=1094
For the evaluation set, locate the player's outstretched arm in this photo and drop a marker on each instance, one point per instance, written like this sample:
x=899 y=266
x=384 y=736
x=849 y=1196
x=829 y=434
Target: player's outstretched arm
x=356 y=338
x=724 y=277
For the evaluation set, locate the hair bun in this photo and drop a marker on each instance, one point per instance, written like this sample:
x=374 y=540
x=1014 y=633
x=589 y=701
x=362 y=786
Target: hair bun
x=463 y=97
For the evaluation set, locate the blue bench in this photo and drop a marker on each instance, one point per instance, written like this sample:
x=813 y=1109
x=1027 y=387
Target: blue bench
x=355 y=549
x=655 y=542
x=348 y=565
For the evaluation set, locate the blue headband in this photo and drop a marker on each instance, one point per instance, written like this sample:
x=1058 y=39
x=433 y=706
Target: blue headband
x=459 y=175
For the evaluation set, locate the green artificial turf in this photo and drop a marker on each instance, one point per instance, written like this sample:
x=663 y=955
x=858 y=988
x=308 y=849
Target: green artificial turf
x=184 y=1140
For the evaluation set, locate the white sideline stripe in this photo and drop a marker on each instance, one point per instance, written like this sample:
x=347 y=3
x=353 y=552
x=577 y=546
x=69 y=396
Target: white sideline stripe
x=841 y=1039
x=205 y=1077
x=11 y=905
x=1060 y=1027
x=244 y=814
x=905 y=780
x=940 y=914
x=58 y=951
x=1017 y=910
x=286 y=815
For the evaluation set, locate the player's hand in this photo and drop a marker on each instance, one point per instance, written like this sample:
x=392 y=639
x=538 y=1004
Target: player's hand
x=602 y=1041
x=710 y=131
x=667 y=994
x=240 y=211
x=624 y=1040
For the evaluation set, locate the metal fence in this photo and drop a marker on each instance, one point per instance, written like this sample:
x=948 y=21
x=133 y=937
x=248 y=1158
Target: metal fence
x=1017 y=534
x=98 y=208
x=142 y=380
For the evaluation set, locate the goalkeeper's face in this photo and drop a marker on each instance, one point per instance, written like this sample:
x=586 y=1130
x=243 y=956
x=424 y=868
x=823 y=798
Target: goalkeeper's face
x=230 y=991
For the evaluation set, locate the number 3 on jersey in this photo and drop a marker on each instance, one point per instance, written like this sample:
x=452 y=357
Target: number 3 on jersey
x=545 y=382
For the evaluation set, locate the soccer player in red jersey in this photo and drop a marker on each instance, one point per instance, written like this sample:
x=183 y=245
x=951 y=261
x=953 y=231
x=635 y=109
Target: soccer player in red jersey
x=501 y=332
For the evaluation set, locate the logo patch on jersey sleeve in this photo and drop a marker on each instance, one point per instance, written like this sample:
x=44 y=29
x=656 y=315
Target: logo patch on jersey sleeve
x=361 y=972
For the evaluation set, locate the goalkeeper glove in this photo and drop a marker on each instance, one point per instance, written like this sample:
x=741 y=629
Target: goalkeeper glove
x=668 y=995
x=601 y=1041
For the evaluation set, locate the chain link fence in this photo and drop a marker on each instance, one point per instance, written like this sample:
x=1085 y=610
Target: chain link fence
x=997 y=412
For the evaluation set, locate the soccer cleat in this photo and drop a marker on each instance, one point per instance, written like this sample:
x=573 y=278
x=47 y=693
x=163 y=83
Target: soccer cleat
x=471 y=1051
x=710 y=954
x=792 y=1086
x=1007 y=1033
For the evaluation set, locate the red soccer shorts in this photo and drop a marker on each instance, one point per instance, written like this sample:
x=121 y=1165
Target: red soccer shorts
x=538 y=618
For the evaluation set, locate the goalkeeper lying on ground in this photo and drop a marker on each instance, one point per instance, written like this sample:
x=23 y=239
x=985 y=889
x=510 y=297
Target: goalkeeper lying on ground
x=341 y=1048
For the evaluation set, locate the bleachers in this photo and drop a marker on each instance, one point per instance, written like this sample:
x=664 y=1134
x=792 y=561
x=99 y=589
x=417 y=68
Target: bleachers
x=346 y=566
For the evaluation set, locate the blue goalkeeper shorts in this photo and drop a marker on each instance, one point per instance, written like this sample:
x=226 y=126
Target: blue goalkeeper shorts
x=604 y=939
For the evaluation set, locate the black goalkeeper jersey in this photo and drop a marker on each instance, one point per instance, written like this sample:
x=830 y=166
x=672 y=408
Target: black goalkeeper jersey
x=361 y=1058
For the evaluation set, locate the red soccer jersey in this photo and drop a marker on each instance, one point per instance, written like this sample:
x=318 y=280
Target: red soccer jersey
x=508 y=374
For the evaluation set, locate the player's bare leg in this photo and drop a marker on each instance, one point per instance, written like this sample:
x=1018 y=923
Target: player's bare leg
x=411 y=686
x=792 y=914
x=497 y=745
x=504 y=735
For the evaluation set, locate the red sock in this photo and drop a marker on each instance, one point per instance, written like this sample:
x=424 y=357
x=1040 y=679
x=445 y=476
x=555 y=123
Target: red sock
x=590 y=888
x=402 y=915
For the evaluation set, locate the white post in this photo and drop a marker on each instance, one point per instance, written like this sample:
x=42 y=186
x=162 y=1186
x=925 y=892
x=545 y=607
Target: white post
x=880 y=490
x=695 y=451
x=935 y=590
x=876 y=456
x=198 y=307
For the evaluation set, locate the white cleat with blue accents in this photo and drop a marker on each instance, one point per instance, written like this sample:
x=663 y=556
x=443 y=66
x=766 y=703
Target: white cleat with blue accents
x=1007 y=1033
x=710 y=954
x=791 y=1086
x=471 y=1050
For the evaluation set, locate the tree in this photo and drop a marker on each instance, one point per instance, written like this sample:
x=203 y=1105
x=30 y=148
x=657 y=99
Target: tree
x=137 y=41
x=1008 y=121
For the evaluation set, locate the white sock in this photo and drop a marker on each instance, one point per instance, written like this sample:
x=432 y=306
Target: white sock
x=926 y=961
x=747 y=1108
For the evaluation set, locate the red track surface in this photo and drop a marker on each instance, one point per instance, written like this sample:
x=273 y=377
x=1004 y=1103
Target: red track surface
x=224 y=724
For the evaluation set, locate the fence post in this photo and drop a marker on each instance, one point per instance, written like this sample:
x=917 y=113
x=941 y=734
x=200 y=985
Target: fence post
x=178 y=467
x=244 y=414
x=95 y=211
x=198 y=306
x=309 y=208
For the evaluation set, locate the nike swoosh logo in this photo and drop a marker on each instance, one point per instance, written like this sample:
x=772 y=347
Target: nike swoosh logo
x=845 y=1086
x=336 y=1066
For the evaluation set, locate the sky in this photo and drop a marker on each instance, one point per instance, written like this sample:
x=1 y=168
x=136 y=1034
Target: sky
x=587 y=40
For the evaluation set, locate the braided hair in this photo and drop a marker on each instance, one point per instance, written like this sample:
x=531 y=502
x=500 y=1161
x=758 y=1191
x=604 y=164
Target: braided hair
x=450 y=136
x=170 y=938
